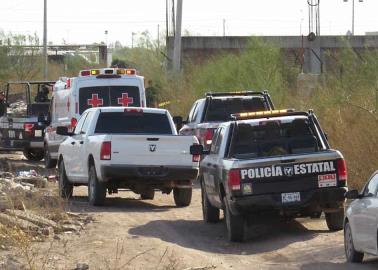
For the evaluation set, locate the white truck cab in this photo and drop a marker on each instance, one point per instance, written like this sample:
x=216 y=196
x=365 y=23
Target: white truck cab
x=92 y=88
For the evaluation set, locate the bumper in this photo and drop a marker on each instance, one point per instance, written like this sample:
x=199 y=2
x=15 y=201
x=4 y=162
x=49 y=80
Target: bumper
x=327 y=199
x=19 y=145
x=137 y=174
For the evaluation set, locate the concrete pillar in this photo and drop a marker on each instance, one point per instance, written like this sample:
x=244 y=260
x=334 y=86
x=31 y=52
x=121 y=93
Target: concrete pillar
x=313 y=57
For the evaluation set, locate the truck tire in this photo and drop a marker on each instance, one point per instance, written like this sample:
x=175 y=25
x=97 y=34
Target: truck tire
x=182 y=196
x=96 y=189
x=33 y=154
x=209 y=212
x=335 y=220
x=49 y=162
x=65 y=187
x=147 y=194
x=350 y=253
x=235 y=224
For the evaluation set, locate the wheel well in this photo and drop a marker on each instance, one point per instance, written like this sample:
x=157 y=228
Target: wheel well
x=90 y=161
x=222 y=192
x=60 y=159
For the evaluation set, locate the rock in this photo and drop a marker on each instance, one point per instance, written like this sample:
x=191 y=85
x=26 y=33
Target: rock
x=56 y=237
x=4 y=203
x=47 y=231
x=33 y=218
x=69 y=228
x=19 y=223
x=82 y=266
x=37 y=181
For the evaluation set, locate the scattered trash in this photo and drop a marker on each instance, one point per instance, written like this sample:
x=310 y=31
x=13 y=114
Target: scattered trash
x=31 y=173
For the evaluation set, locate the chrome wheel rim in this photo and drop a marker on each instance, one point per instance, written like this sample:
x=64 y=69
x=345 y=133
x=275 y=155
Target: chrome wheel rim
x=348 y=241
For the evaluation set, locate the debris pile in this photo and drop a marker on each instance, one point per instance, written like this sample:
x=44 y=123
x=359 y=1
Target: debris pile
x=27 y=190
x=17 y=108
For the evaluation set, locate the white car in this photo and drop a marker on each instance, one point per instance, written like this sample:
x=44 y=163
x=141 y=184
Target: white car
x=361 y=222
x=129 y=148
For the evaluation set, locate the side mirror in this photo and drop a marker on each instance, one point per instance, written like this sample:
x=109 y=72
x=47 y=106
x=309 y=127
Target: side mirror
x=178 y=122
x=63 y=131
x=352 y=194
x=196 y=149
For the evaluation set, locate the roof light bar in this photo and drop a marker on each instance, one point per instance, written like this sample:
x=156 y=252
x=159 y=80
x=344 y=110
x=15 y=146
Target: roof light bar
x=248 y=115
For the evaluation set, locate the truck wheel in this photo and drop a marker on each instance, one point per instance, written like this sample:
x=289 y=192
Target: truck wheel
x=96 y=189
x=49 y=162
x=182 y=196
x=209 y=212
x=335 y=220
x=147 y=194
x=65 y=187
x=235 y=224
x=33 y=154
x=350 y=253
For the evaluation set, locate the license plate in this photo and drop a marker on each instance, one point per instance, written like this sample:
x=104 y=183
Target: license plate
x=327 y=180
x=11 y=134
x=291 y=197
x=38 y=133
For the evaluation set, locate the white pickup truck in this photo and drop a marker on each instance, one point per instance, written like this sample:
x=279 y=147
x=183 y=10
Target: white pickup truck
x=129 y=148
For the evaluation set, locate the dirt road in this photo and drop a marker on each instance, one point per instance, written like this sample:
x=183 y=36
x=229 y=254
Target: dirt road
x=157 y=235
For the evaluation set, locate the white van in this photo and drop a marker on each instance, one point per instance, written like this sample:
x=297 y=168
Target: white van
x=92 y=88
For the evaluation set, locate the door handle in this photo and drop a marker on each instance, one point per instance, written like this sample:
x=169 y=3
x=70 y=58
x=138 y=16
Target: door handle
x=208 y=164
x=72 y=143
x=81 y=142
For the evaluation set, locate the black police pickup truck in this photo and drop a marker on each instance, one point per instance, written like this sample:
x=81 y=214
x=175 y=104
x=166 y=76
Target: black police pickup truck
x=271 y=162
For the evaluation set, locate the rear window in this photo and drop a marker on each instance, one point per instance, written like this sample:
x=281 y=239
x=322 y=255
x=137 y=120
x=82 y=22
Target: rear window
x=274 y=138
x=100 y=96
x=133 y=123
x=221 y=109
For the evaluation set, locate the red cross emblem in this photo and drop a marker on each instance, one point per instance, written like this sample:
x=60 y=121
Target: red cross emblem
x=125 y=100
x=95 y=101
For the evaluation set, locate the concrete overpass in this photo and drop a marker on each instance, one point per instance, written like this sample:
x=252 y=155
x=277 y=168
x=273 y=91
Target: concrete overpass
x=310 y=55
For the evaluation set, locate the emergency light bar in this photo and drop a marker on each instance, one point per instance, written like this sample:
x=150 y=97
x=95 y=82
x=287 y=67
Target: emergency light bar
x=236 y=93
x=107 y=71
x=262 y=114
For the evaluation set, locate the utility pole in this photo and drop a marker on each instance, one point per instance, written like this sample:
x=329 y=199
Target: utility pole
x=166 y=21
x=224 y=27
x=177 y=44
x=158 y=36
x=45 y=74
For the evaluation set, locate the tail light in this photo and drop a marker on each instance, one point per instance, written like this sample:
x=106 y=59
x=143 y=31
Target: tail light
x=106 y=151
x=342 y=170
x=29 y=128
x=196 y=158
x=234 y=179
x=205 y=137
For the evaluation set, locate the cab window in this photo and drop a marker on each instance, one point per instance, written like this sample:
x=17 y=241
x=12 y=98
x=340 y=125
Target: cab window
x=193 y=113
x=217 y=141
x=80 y=124
x=371 y=187
x=87 y=121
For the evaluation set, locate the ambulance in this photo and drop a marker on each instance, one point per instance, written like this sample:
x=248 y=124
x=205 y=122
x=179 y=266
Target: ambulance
x=92 y=88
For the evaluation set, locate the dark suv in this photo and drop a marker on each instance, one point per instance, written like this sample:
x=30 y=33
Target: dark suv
x=207 y=113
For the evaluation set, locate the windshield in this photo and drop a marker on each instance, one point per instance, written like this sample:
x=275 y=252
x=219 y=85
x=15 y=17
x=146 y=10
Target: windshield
x=274 y=138
x=133 y=123
x=220 y=109
x=100 y=96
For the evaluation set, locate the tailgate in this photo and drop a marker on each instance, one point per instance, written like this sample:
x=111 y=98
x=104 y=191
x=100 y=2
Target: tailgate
x=297 y=174
x=155 y=150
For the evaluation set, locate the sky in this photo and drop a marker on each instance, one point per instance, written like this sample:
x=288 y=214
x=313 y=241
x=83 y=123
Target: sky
x=85 y=21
